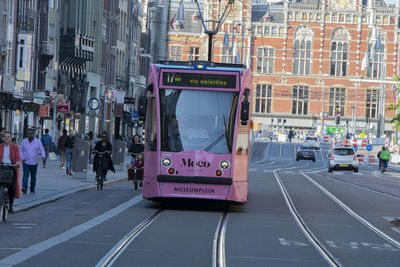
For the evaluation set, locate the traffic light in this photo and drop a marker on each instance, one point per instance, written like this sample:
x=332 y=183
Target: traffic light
x=337 y=119
x=251 y=125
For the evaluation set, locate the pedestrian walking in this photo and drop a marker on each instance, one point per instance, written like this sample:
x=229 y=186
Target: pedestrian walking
x=2 y=132
x=9 y=154
x=69 y=145
x=92 y=141
x=47 y=142
x=291 y=135
x=61 y=148
x=29 y=151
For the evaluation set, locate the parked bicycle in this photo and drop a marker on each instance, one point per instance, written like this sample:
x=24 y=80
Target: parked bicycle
x=102 y=168
x=7 y=177
x=135 y=170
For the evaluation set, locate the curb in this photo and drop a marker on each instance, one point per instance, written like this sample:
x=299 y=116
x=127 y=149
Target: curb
x=57 y=196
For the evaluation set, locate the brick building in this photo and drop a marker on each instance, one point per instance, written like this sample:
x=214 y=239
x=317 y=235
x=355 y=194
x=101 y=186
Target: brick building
x=307 y=57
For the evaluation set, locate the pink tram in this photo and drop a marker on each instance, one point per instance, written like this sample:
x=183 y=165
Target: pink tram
x=197 y=131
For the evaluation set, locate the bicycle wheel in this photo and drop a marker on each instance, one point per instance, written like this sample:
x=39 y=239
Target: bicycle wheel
x=102 y=182
x=135 y=180
x=4 y=204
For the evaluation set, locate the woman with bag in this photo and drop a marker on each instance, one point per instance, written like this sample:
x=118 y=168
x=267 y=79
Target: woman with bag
x=9 y=154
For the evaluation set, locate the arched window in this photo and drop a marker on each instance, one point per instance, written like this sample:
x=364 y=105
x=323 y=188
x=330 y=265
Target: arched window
x=339 y=52
x=376 y=56
x=302 y=50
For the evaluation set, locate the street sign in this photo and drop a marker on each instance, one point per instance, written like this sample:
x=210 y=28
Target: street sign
x=63 y=108
x=369 y=147
x=94 y=103
x=323 y=132
x=355 y=148
x=44 y=111
x=134 y=115
x=362 y=135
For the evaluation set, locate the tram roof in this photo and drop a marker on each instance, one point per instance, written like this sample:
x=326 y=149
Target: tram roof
x=200 y=65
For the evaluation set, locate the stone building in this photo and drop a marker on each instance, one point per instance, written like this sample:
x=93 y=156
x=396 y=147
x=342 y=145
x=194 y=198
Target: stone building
x=308 y=58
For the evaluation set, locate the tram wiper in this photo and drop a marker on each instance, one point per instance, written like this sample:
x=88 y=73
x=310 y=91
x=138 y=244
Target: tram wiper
x=219 y=137
x=215 y=142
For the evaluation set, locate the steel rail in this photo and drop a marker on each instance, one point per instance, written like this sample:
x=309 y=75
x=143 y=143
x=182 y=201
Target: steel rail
x=325 y=253
x=120 y=247
x=353 y=213
x=219 y=259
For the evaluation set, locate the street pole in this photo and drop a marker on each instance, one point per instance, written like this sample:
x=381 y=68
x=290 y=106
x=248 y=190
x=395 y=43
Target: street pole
x=355 y=109
x=233 y=40
x=243 y=28
x=381 y=126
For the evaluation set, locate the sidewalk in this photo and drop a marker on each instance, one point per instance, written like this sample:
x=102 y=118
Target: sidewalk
x=53 y=183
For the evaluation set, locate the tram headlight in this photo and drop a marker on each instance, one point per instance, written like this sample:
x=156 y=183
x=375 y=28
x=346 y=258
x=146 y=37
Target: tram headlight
x=166 y=162
x=224 y=164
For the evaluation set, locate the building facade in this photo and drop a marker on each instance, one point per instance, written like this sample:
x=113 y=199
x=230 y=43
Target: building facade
x=312 y=61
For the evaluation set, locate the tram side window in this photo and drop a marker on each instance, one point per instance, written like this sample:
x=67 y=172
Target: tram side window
x=151 y=132
x=242 y=139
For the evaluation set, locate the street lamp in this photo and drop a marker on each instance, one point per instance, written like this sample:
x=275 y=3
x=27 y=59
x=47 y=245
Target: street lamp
x=321 y=83
x=235 y=51
x=210 y=33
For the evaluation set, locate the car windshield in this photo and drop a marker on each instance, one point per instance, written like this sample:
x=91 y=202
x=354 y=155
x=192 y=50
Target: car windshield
x=343 y=152
x=304 y=148
x=311 y=138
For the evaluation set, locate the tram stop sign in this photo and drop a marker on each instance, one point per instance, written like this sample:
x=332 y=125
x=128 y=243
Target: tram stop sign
x=369 y=147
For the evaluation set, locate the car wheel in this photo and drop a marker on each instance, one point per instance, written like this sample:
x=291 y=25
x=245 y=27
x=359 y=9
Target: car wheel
x=297 y=159
x=355 y=169
x=313 y=160
x=330 y=170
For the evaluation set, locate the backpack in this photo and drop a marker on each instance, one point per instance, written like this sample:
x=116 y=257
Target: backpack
x=69 y=143
x=385 y=155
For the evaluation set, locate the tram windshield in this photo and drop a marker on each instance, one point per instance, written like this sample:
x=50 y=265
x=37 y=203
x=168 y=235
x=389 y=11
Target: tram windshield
x=197 y=120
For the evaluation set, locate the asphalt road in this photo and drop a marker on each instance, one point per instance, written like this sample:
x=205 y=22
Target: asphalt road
x=297 y=214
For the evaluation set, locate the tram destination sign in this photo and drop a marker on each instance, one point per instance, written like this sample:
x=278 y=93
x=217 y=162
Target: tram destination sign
x=226 y=80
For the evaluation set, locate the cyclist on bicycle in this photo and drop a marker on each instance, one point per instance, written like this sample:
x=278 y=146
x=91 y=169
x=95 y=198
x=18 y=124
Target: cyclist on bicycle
x=136 y=147
x=103 y=146
x=9 y=154
x=384 y=157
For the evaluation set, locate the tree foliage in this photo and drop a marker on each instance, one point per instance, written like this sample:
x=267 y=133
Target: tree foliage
x=396 y=107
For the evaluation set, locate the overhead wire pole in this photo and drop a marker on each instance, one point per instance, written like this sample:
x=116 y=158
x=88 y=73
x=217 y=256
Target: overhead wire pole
x=210 y=33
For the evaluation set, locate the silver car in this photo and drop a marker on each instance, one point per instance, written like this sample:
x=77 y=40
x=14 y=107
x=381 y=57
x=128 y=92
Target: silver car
x=344 y=158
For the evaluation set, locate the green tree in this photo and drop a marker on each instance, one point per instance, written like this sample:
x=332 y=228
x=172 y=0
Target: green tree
x=396 y=107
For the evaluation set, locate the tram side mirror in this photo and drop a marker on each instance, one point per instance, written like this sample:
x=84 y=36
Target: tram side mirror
x=244 y=112
x=142 y=107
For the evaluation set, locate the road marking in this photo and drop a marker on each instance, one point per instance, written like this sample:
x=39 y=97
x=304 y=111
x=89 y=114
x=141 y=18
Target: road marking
x=33 y=224
x=285 y=242
x=38 y=248
x=356 y=245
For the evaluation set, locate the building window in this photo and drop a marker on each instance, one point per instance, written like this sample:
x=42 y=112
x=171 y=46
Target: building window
x=175 y=53
x=371 y=104
x=263 y=98
x=21 y=55
x=300 y=100
x=194 y=53
x=376 y=62
x=302 y=57
x=225 y=55
x=336 y=99
x=265 y=60
x=339 y=58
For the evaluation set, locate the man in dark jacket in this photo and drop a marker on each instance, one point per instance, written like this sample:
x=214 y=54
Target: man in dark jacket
x=102 y=146
x=61 y=147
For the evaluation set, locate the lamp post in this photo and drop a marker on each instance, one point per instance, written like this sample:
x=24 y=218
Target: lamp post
x=321 y=83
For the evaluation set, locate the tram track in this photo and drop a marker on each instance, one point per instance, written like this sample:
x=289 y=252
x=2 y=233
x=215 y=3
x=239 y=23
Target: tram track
x=318 y=244
x=120 y=247
x=219 y=259
x=353 y=213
